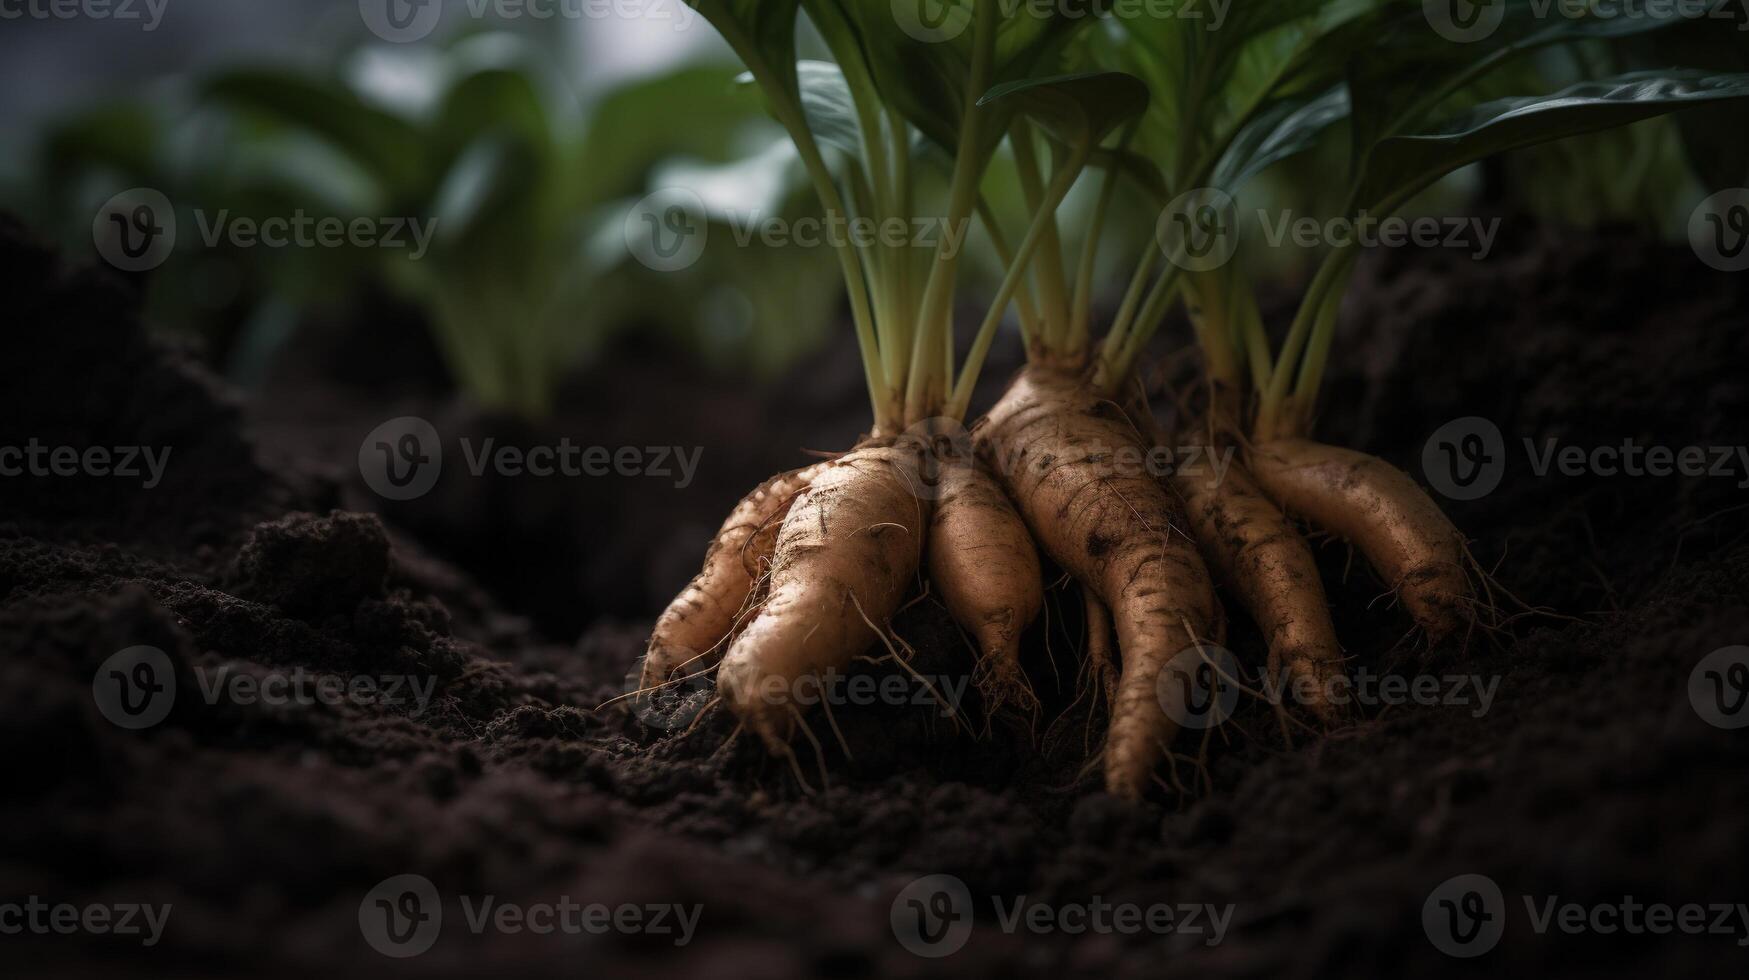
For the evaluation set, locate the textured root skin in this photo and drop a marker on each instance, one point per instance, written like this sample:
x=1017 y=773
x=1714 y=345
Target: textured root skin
x=1101 y=660
x=1051 y=440
x=983 y=563
x=703 y=614
x=1262 y=557
x=847 y=554
x=1410 y=542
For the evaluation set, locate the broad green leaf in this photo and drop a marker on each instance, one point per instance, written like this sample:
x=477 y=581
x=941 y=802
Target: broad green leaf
x=762 y=33
x=1399 y=166
x=1211 y=84
x=1078 y=110
x=487 y=188
x=919 y=52
x=1282 y=130
x=1420 y=67
x=386 y=145
x=826 y=104
x=492 y=101
x=693 y=112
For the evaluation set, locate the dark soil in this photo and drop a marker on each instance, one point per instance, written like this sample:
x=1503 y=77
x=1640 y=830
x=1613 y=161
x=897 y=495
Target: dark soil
x=262 y=552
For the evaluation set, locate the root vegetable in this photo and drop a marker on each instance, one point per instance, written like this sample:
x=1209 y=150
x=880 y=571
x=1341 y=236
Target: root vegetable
x=1261 y=556
x=1410 y=542
x=701 y=617
x=984 y=564
x=847 y=554
x=1058 y=447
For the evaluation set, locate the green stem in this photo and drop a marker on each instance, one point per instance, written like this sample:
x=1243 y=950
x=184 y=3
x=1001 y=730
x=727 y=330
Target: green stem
x=1059 y=189
x=1126 y=312
x=788 y=113
x=1082 y=312
x=1111 y=377
x=1005 y=255
x=924 y=388
x=1318 y=350
x=1048 y=266
x=1275 y=397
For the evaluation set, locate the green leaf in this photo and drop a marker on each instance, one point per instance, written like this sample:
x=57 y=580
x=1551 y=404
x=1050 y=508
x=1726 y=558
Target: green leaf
x=487 y=191
x=763 y=34
x=1400 y=166
x=1078 y=110
x=1279 y=131
x=919 y=52
x=693 y=112
x=826 y=104
x=1419 y=67
x=387 y=146
x=496 y=100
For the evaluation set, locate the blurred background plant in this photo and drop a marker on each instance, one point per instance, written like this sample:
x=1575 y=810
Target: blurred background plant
x=522 y=166
x=528 y=141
